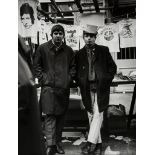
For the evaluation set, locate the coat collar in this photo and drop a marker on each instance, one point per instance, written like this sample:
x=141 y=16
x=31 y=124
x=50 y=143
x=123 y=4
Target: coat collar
x=51 y=45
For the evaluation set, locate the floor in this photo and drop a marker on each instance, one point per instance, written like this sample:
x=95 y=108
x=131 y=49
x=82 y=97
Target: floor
x=115 y=145
x=125 y=147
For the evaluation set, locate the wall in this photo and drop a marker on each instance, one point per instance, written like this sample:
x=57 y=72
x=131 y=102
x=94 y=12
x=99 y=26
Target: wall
x=92 y=19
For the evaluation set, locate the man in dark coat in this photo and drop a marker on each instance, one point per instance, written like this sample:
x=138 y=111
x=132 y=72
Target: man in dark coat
x=54 y=67
x=95 y=71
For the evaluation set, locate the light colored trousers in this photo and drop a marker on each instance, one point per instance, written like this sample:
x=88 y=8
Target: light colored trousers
x=95 y=121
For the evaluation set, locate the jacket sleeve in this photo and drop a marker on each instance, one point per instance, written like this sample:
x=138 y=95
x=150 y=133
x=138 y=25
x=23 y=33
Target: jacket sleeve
x=112 y=68
x=38 y=68
x=76 y=67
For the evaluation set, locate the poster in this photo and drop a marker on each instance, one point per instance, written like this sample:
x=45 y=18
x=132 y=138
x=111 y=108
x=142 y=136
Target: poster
x=72 y=36
x=127 y=32
x=27 y=19
x=43 y=31
x=108 y=36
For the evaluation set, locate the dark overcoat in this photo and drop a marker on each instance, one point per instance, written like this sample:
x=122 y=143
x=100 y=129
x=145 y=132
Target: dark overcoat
x=55 y=70
x=105 y=69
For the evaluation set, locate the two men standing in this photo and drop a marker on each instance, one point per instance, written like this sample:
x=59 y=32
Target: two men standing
x=93 y=69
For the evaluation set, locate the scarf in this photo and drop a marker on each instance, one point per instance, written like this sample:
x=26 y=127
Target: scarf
x=91 y=56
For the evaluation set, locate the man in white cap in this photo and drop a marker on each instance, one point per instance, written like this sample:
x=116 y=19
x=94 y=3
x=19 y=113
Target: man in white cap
x=95 y=71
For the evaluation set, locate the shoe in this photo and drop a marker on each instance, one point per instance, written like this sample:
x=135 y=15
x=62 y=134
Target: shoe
x=88 y=148
x=98 y=149
x=108 y=151
x=48 y=151
x=59 y=148
x=51 y=150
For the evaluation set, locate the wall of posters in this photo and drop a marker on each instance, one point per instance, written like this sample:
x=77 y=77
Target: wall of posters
x=115 y=36
x=127 y=32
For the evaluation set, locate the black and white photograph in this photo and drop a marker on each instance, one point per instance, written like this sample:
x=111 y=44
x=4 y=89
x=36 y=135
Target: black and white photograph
x=77 y=77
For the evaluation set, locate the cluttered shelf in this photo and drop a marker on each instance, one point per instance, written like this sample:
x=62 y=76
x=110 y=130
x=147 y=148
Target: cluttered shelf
x=119 y=79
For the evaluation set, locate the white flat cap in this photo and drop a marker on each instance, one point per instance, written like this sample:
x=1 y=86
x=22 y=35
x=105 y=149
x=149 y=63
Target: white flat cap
x=90 y=29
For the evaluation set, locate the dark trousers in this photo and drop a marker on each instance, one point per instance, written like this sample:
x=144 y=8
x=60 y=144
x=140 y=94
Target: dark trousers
x=53 y=128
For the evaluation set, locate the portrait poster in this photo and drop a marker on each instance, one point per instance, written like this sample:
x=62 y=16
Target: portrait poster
x=72 y=36
x=108 y=36
x=27 y=19
x=127 y=33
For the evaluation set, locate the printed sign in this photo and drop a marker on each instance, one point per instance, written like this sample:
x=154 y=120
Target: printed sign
x=108 y=36
x=127 y=31
x=72 y=36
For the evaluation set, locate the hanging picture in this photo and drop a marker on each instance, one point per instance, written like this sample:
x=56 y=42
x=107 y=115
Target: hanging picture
x=43 y=31
x=72 y=36
x=127 y=32
x=27 y=22
x=108 y=36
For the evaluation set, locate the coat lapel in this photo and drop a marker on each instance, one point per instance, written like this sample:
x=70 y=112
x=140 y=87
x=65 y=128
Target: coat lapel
x=84 y=55
x=50 y=44
x=95 y=53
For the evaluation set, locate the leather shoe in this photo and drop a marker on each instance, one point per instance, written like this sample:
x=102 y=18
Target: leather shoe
x=59 y=148
x=88 y=148
x=51 y=150
x=98 y=149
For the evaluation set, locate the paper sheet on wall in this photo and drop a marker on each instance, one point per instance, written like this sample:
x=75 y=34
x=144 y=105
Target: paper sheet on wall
x=82 y=43
x=72 y=36
x=108 y=36
x=27 y=22
x=43 y=33
x=127 y=32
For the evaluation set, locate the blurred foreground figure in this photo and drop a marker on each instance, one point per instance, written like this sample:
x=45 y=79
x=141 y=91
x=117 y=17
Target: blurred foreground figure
x=29 y=127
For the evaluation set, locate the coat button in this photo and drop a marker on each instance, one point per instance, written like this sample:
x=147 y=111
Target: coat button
x=83 y=67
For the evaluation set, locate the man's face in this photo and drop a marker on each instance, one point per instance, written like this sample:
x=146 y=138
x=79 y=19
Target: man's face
x=58 y=36
x=26 y=20
x=89 y=39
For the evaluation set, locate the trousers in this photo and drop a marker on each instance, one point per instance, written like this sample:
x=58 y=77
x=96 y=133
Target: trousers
x=95 y=121
x=53 y=125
